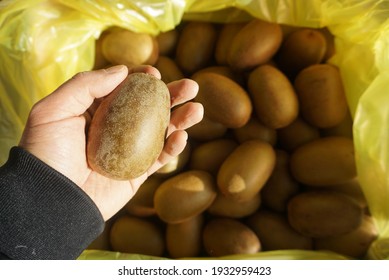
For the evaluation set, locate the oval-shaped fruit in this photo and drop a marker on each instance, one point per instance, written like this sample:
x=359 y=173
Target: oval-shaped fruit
x=344 y=128
x=225 y=236
x=324 y=213
x=254 y=44
x=184 y=196
x=225 y=71
x=137 y=236
x=127 y=131
x=275 y=232
x=175 y=165
x=195 y=46
x=297 y=133
x=102 y=242
x=206 y=130
x=330 y=42
x=100 y=61
x=168 y=69
x=122 y=46
x=324 y=161
x=274 y=99
x=354 y=244
x=209 y=156
x=246 y=170
x=351 y=188
x=321 y=94
x=224 y=100
x=223 y=43
x=142 y=203
x=184 y=240
x=228 y=207
x=167 y=41
x=281 y=185
x=255 y=130
x=300 y=49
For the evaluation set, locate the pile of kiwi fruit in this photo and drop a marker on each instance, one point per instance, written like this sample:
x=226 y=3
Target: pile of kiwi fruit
x=272 y=164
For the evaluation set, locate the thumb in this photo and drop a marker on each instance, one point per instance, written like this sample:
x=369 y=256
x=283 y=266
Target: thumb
x=76 y=95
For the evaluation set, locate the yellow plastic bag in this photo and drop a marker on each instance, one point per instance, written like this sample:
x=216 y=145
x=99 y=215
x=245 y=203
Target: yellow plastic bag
x=43 y=43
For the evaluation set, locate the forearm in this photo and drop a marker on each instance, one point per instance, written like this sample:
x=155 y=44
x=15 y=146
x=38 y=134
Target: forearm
x=43 y=215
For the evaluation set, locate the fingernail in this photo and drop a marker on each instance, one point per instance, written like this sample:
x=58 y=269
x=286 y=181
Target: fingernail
x=115 y=69
x=186 y=136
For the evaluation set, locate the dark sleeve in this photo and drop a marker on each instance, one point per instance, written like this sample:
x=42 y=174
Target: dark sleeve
x=43 y=214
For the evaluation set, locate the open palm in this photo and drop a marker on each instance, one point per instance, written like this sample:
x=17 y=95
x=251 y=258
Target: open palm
x=56 y=132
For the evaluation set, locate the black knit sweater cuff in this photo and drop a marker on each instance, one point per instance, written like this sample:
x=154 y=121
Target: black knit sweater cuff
x=43 y=214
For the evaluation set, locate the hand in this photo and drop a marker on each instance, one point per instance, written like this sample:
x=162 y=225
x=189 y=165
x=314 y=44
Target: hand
x=55 y=131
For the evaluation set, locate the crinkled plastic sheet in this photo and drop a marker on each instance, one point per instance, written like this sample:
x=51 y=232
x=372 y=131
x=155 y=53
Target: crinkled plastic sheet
x=269 y=255
x=44 y=43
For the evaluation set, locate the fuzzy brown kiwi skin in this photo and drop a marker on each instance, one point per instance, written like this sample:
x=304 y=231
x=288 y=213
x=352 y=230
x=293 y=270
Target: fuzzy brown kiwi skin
x=127 y=132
